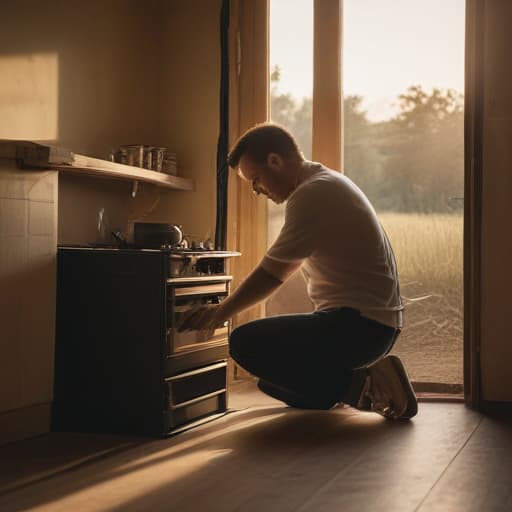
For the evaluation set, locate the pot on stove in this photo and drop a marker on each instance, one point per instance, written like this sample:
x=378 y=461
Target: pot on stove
x=155 y=235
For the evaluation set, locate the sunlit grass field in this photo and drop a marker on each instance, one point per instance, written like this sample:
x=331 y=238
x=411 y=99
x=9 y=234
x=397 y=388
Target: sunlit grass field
x=428 y=248
x=429 y=254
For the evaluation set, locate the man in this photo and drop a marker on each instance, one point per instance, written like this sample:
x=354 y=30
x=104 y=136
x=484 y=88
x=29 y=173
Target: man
x=338 y=353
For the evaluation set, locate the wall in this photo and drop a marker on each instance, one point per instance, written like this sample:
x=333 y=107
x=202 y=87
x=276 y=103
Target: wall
x=191 y=111
x=90 y=76
x=28 y=237
x=83 y=75
x=95 y=65
x=496 y=279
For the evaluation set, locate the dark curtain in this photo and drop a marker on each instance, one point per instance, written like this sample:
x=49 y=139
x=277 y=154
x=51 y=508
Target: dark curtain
x=222 y=144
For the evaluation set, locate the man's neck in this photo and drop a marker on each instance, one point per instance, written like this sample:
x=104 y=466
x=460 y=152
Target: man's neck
x=304 y=170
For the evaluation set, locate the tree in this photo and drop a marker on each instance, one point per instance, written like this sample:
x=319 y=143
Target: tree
x=293 y=115
x=424 y=150
x=363 y=161
x=412 y=163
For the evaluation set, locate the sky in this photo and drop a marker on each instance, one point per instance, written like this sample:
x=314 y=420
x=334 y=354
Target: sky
x=388 y=45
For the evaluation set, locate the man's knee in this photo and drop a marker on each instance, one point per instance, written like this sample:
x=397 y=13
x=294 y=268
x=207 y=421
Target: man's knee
x=235 y=344
x=243 y=342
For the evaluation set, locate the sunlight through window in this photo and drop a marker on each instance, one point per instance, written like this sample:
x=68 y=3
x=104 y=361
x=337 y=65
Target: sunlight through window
x=404 y=146
x=291 y=105
x=29 y=96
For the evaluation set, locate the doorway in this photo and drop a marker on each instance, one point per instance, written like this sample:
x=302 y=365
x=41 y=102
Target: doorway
x=403 y=145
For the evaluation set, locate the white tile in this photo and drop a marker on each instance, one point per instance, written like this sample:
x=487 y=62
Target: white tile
x=13 y=257
x=42 y=248
x=37 y=332
x=10 y=347
x=22 y=184
x=13 y=184
x=41 y=218
x=44 y=186
x=13 y=217
x=12 y=261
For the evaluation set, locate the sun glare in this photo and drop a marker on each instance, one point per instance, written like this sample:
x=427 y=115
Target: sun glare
x=29 y=96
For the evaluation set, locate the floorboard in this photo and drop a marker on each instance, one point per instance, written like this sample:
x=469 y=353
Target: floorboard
x=480 y=478
x=267 y=457
x=23 y=462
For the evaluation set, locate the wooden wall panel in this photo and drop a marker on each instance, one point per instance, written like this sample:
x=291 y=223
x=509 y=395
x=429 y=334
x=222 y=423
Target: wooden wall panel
x=327 y=84
x=496 y=242
x=249 y=97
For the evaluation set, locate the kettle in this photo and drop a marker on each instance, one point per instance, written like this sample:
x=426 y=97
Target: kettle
x=157 y=235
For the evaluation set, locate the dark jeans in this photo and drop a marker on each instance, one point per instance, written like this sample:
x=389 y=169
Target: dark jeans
x=312 y=360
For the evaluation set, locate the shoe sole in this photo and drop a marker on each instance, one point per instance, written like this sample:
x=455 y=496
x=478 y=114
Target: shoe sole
x=412 y=402
x=386 y=379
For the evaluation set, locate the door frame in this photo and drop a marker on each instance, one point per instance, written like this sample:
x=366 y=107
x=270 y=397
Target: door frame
x=473 y=149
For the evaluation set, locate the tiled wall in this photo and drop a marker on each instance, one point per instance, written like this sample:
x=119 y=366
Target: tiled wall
x=28 y=238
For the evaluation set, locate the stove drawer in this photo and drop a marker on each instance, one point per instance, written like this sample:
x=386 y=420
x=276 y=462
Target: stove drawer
x=189 y=387
x=201 y=289
x=178 y=306
x=196 y=394
x=205 y=409
x=190 y=359
x=178 y=342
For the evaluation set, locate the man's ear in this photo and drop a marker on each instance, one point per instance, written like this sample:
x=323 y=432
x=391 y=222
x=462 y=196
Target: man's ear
x=275 y=161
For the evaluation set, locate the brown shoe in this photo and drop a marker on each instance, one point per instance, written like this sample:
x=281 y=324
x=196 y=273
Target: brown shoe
x=412 y=402
x=388 y=391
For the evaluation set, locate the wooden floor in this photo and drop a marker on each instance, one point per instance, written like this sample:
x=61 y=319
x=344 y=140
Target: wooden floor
x=266 y=457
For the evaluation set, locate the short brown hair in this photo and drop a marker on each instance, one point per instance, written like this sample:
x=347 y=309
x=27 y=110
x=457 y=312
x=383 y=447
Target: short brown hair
x=262 y=139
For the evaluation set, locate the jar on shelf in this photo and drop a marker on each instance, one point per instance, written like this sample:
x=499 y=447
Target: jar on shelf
x=134 y=154
x=147 y=159
x=169 y=164
x=158 y=158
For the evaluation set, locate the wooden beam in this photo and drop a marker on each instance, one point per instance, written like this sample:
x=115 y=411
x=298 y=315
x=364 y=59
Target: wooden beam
x=327 y=84
x=248 y=105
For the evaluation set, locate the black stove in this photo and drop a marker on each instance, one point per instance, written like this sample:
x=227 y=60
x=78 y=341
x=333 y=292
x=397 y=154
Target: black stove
x=183 y=261
x=121 y=364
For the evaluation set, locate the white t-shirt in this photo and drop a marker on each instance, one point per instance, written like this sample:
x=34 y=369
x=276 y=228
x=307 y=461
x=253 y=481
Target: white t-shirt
x=331 y=227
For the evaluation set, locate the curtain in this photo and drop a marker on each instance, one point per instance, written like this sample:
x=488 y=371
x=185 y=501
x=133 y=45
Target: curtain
x=222 y=144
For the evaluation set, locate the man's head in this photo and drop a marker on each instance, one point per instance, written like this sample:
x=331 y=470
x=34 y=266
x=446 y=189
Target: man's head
x=269 y=157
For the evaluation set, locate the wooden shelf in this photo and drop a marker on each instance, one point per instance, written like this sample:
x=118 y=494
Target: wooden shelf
x=35 y=155
x=88 y=166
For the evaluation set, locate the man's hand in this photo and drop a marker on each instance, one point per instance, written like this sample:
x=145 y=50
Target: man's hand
x=202 y=318
x=258 y=285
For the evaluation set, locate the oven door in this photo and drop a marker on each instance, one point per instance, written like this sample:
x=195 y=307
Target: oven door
x=187 y=297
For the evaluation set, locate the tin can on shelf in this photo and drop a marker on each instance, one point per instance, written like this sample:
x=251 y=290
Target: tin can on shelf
x=169 y=164
x=158 y=158
x=147 y=158
x=133 y=154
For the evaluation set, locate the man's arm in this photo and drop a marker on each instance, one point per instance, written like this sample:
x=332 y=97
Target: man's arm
x=256 y=287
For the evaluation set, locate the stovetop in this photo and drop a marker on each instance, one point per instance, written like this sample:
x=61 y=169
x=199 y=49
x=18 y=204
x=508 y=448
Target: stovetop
x=173 y=251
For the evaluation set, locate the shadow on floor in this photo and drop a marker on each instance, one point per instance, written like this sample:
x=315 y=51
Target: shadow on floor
x=242 y=455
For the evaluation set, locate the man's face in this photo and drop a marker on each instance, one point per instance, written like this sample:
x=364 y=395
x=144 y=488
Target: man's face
x=270 y=179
